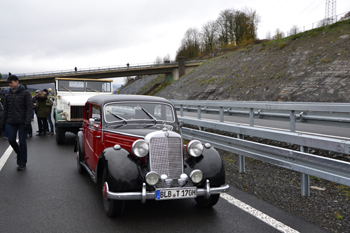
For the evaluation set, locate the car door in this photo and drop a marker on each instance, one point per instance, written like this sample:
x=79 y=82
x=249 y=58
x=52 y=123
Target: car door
x=93 y=137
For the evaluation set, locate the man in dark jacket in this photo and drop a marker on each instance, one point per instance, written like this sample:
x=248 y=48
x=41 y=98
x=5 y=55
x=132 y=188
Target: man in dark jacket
x=18 y=109
x=1 y=115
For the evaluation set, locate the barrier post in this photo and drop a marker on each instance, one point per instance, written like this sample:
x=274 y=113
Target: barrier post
x=241 y=158
x=305 y=179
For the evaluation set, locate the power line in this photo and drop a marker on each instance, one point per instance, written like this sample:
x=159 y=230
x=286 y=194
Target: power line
x=307 y=7
x=315 y=7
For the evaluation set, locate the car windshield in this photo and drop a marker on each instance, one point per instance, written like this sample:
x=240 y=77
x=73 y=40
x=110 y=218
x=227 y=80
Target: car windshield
x=84 y=86
x=129 y=111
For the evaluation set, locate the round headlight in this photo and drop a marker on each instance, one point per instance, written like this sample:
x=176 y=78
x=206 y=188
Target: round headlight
x=194 y=148
x=152 y=178
x=64 y=115
x=140 y=148
x=196 y=176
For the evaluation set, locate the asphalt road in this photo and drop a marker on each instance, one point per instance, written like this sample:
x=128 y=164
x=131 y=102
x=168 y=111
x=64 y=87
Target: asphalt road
x=51 y=196
x=342 y=133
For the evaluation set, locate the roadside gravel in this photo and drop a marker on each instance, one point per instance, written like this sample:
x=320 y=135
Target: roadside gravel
x=328 y=206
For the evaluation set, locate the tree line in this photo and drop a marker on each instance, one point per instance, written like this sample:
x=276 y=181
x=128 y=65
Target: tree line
x=232 y=28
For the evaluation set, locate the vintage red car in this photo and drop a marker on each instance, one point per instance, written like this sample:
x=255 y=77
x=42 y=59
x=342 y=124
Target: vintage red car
x=132 y=146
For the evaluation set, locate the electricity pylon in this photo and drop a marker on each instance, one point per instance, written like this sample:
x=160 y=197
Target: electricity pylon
x=331 y=15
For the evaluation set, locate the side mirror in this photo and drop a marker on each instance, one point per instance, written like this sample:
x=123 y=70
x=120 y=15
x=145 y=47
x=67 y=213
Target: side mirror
x=91 y=121
x=181 y=124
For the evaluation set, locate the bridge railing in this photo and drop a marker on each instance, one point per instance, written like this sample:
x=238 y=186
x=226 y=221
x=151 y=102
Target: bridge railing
x=94 y=69
x=335 y=114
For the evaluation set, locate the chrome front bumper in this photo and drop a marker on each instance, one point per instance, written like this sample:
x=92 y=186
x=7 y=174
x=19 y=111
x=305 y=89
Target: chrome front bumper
x=144 y=195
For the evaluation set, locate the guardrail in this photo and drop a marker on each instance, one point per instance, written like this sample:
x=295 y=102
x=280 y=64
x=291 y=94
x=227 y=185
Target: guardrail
x=336 y=114
x=95 y=69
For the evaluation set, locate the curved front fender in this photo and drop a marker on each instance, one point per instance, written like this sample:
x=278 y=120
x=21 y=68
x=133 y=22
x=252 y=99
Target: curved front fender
x=123 y=171
x=211 y=165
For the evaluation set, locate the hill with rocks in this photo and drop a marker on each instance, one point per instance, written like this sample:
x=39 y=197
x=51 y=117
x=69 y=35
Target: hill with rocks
x=312 y=66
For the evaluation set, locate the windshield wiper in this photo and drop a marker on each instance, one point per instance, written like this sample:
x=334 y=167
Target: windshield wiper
x=92 y=89
x=66 y=88
x=150 y=115
x=118 y=117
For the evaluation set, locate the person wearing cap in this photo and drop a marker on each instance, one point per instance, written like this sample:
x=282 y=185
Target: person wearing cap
x=49 y=104
x=18 y=110
x=41 y=114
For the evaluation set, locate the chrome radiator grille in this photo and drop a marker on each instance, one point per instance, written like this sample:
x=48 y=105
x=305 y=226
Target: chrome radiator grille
x=166 y=158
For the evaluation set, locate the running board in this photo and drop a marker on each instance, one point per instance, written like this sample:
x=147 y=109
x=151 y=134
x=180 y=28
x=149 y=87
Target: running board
x=91 y=173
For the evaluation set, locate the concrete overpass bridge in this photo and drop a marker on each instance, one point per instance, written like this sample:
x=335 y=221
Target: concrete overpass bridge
x=172 y=70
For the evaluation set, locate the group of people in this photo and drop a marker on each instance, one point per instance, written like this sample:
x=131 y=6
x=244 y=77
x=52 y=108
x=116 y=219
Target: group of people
x=42 y=103
x=17 y=107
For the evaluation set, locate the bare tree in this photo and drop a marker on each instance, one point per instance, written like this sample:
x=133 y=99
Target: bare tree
x=323 y=22
x=209 y=36
x=190 y=44
x=294 y=30
x=268 y=35
x=166 y=58
x=224 y=23
x=278 y=34
x=158 y=60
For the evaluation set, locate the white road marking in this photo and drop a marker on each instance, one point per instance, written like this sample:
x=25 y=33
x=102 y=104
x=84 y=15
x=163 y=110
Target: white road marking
x=5 y=156
x=258 y=214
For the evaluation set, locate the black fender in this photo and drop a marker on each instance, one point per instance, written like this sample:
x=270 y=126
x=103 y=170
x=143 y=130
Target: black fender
x=79 y=141
x=124 y=174
x=211 y=165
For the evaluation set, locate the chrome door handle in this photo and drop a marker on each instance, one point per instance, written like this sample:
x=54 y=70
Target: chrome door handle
x=97 y=136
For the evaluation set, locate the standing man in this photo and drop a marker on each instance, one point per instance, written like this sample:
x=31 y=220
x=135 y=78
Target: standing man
x=49 y=104
x=18 y=109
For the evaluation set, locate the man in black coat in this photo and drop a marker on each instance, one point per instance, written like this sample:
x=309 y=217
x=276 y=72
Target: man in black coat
x=18 y=110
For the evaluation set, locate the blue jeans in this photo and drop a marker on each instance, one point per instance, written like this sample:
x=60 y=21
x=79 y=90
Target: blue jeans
x=49 y=119
x=21 y=149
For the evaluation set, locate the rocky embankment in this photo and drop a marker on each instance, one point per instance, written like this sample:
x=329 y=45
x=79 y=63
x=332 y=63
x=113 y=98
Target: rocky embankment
x=312 y=67
x=309 y=67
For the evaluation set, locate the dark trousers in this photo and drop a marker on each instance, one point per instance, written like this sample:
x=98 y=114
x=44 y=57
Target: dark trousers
x=21 y=149
x=42 y=123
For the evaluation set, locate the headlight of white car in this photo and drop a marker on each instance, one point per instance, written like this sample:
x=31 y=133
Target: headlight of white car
x=194 y=148
x=64 y=115
x=140 y=148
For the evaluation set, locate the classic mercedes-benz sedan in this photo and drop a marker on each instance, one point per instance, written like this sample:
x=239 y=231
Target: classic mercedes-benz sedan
x=132 y=146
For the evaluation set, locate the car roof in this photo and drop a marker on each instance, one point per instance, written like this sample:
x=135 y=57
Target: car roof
x=103 y=99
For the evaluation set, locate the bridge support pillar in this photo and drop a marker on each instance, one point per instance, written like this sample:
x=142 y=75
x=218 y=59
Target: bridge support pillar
x=182 y=66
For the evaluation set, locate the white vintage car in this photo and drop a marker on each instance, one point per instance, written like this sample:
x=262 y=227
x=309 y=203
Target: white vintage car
x=70 y=98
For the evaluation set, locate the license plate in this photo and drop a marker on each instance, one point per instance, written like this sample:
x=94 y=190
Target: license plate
x=175 y=193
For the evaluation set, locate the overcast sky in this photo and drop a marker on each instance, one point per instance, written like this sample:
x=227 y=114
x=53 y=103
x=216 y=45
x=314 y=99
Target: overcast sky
x=50 y=35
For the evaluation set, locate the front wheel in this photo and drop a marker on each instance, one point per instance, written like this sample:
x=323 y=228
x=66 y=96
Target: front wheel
x=112 y=208
x=211 y=201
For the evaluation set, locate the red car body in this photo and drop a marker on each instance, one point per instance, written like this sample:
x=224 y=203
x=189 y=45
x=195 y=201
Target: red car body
x=132 y=146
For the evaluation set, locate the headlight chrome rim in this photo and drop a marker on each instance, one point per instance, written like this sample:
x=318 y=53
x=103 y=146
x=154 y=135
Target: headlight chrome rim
x=140 y=148
x=152 y=178
x=195 y=148
x=196 y=176
x=64 y=115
